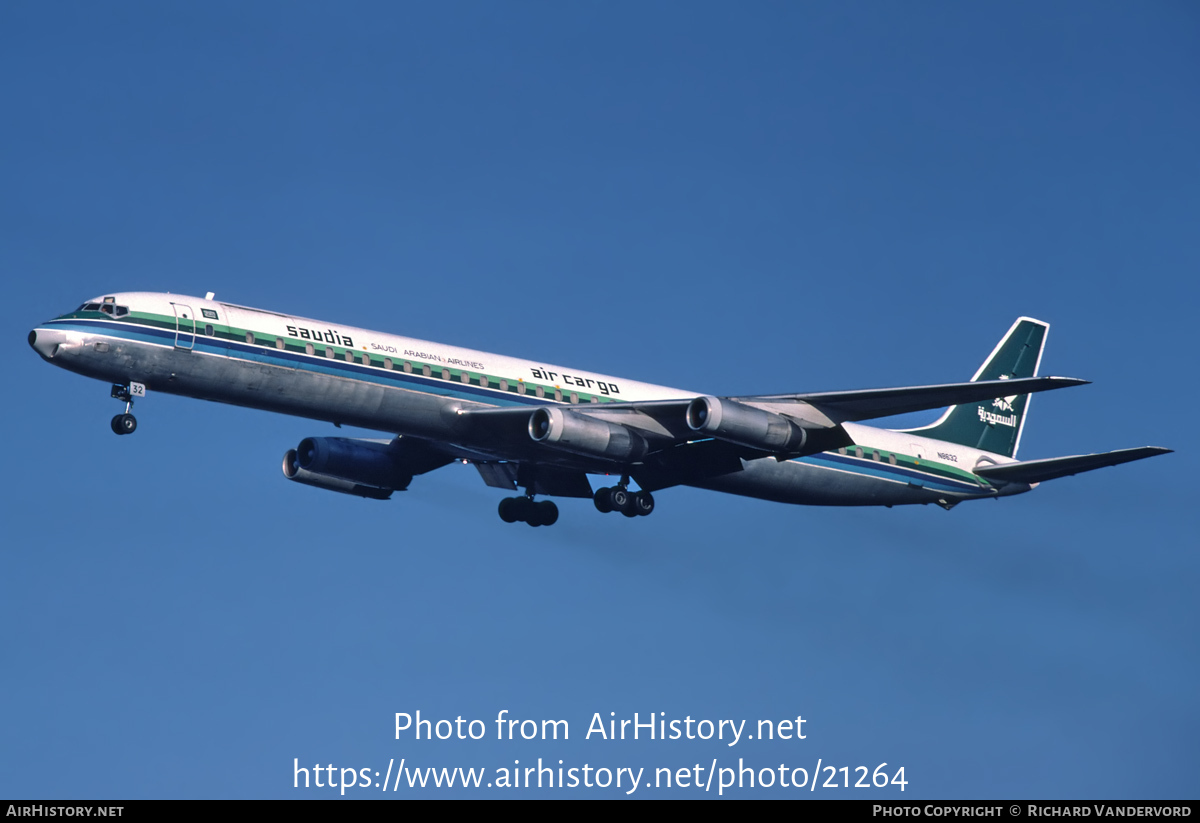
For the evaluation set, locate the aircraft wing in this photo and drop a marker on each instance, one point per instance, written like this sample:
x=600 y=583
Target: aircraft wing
x=1035 y=471
x=665 y=418
x=672 y=452
x=866 y=404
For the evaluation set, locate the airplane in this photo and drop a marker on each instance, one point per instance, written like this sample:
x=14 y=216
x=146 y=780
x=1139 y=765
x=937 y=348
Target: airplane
x=544 y=428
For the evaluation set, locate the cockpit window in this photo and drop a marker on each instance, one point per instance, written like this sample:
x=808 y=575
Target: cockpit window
x=108 y=307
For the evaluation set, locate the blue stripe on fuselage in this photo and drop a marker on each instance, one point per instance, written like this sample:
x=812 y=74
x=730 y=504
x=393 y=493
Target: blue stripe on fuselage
x=886 y=471
x=312 y=363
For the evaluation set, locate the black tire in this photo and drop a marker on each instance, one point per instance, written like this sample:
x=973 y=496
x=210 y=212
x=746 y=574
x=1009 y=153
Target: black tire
x=643 y=503
x=124 y=424
x=547 y=513
x=522 y=508
x=627 y=505
x=507 y=511
x=618 y=498
x=603 y=500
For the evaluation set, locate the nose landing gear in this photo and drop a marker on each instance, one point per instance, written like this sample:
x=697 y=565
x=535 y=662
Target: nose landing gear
x=126 y=423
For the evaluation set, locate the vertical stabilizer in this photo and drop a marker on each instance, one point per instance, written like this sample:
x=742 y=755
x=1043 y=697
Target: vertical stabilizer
x=995 y=425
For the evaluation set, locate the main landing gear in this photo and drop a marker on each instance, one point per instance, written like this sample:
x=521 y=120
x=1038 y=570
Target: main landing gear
x=541 y=513
x=618 y=498
x=126 y=423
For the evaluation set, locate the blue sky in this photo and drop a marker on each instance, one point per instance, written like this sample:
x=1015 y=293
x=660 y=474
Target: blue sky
x=732 y=199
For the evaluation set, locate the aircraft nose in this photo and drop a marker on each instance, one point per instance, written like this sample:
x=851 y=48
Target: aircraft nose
x=44 y=343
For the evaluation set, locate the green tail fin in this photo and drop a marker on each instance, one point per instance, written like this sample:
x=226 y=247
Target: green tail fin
x=995 y=425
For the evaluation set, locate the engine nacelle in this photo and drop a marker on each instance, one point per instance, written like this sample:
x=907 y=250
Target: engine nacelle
x=580 y=434
x=745 y=425
x=359 y=461
x=292 y=471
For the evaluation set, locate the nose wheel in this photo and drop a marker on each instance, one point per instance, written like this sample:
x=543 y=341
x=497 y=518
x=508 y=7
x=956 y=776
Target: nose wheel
x=126 y=423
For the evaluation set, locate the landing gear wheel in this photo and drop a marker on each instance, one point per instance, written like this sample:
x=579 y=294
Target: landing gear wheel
x=627 y=505
x=618 y=498
x=507 y=511
x=522 y=508
x=603 y=500
x=124 y=424
x=546 y=514
x=525 y=509
x=643 y=503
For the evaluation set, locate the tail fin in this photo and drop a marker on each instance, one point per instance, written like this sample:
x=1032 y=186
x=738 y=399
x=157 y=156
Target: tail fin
x=995 y=425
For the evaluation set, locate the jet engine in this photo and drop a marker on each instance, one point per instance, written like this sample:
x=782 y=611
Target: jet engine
x=366 y=468
x=745 y=425
x=580 y=434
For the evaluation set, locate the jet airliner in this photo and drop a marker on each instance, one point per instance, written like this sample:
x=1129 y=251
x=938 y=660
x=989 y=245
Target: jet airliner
x=543 y=429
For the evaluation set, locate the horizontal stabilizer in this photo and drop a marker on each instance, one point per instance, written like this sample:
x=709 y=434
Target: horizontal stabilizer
x=1035 y=471
x=866 y=404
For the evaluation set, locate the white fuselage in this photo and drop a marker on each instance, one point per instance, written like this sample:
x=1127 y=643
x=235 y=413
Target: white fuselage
x=218 y=351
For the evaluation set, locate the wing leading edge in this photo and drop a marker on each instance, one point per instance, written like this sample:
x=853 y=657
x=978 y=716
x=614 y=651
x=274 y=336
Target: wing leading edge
x=867 y=404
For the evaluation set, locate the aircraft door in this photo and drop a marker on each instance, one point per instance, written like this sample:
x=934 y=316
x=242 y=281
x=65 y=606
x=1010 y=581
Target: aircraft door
x=918 y=451
x=185 y=326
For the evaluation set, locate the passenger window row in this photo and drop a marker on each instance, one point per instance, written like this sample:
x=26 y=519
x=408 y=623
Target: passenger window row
x=874 y=454
x=466 y=377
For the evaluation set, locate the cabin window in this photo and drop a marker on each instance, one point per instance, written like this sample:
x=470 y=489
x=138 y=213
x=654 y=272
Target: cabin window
x=521 y=388
x=445 y=374
x=107 y=308
x=329 y=352
x=425 y=370
x=250 y=337
x=366 y=359
x=842 y=450
x=407 y=367
x=387 y=363
x=279 y=344
x=539 y=391
x=483 y=380
x=558 y=394
x=503 y=385
x=858 y=452
x=122 y=311
x=308 y=348
x=892 y=459
x=574 y=397
x=349 y=356
x=875 y=455
x=209 y=331
x=595 y=398
x=209 y=313
x=465 y=377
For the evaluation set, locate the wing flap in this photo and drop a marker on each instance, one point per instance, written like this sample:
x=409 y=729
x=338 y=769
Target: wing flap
x=1036 y=471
